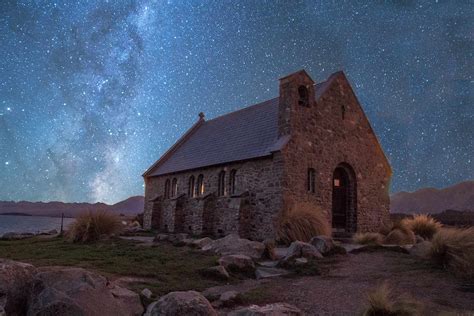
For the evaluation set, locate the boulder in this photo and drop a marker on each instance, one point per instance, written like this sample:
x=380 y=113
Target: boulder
x=75 y=291
x=299 y=249
x=421 y=249
x=232 y=244
x=199 y=243
x=276 y=309
x=146 y=293
x=269 y=272
x=181 y=303
x=237 y=262
x=301 y=261
x=229 y=298
x=16 y=279
x=217 y=273
x=323 y=244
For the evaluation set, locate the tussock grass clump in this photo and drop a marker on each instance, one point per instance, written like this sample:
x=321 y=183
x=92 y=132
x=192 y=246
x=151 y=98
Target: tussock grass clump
x=423 y=225
x=302 y=222
x=401 y=234
x=454 y=249
x=93 y=225
x=368 y=238
x=381 y=302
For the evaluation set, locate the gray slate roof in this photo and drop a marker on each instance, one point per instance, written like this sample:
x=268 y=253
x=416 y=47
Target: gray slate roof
x=248 y=133
x=240 y=135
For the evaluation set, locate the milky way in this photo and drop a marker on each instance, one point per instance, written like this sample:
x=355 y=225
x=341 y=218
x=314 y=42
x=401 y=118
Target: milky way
x=92 y=92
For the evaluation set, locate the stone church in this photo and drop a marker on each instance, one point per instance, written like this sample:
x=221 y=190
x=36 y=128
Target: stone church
x=238 y=172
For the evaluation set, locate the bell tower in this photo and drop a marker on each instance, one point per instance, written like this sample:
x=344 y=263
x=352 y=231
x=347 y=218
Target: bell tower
x=296 y=94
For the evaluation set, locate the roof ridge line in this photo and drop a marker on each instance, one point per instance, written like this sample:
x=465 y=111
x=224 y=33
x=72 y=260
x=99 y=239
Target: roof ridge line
x=242 y=109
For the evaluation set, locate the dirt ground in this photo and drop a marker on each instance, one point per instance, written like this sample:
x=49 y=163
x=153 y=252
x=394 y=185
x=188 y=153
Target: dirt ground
x=343 y=289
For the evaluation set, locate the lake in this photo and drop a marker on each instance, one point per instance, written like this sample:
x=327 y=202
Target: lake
x=30 y=224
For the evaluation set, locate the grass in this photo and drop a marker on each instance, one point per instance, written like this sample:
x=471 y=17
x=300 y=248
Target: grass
x=169 y=268
x=93 y=225
x=368 y=238
x=258 y=295
x=423 y=225
x=454 y=249
x=302 y=222
x=400 y=234
x=381 y=303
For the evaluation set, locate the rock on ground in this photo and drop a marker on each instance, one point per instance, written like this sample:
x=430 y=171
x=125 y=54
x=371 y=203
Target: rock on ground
x=75 y=291
x=299 y=249
x=181 y=303
x=199 y=243
x=217 y=272
x=276 y=309
x=421 y=249
x=232 y=244
x=15 y=283
x=323 y=244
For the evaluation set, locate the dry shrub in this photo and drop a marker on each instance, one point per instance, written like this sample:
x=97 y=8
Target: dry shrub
x=93 y=225
x=423 y=225
x=368 y=238
x=454 y=249
x=302 y=222
x=380 y=302
x=401 y=234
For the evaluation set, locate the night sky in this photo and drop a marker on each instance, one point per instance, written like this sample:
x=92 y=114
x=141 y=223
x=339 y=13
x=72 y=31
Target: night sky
x=93 y=92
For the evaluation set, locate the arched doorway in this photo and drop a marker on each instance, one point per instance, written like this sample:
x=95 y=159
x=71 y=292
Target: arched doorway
x=344 y=199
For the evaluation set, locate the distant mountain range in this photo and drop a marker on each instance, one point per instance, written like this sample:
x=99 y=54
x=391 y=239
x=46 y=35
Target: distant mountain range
x=129 y=207
x=458 y=197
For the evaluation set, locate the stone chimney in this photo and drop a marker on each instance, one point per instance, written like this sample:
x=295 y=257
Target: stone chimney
x=296 y=94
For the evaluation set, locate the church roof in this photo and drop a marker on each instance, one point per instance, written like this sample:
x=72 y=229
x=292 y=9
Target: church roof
x=249 y=133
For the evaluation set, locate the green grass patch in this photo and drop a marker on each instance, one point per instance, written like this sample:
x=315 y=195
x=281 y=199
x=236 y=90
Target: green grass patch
x=259 y=295
x=170 y=268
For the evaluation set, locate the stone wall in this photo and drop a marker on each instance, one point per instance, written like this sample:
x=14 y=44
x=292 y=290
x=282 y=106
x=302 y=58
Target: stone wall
x=321 y=138
x=260 y=177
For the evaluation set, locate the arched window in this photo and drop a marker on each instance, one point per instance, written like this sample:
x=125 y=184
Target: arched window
x=174 y=187
x=232 y=181
x=311 y=180
x=167 y=189
x=303 y=96
x=200 y=185
x=221 y=184
x=191 y=191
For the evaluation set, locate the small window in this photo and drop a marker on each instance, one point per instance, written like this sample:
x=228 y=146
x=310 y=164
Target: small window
x=167 y=189
x=232 y=181
x=343 y=112
x=191 y=192
x=311 y=180
x=303 y=96
x=200 y=185
x=221 y=184
x=337 y=182
x=174 y=187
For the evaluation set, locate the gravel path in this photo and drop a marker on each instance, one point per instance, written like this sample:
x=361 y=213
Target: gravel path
x=343 y=290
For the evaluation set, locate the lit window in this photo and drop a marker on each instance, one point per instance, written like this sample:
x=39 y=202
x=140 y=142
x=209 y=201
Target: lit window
x=221 y=184
x=200 y=185
x=337 y=182
x=174 y=187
